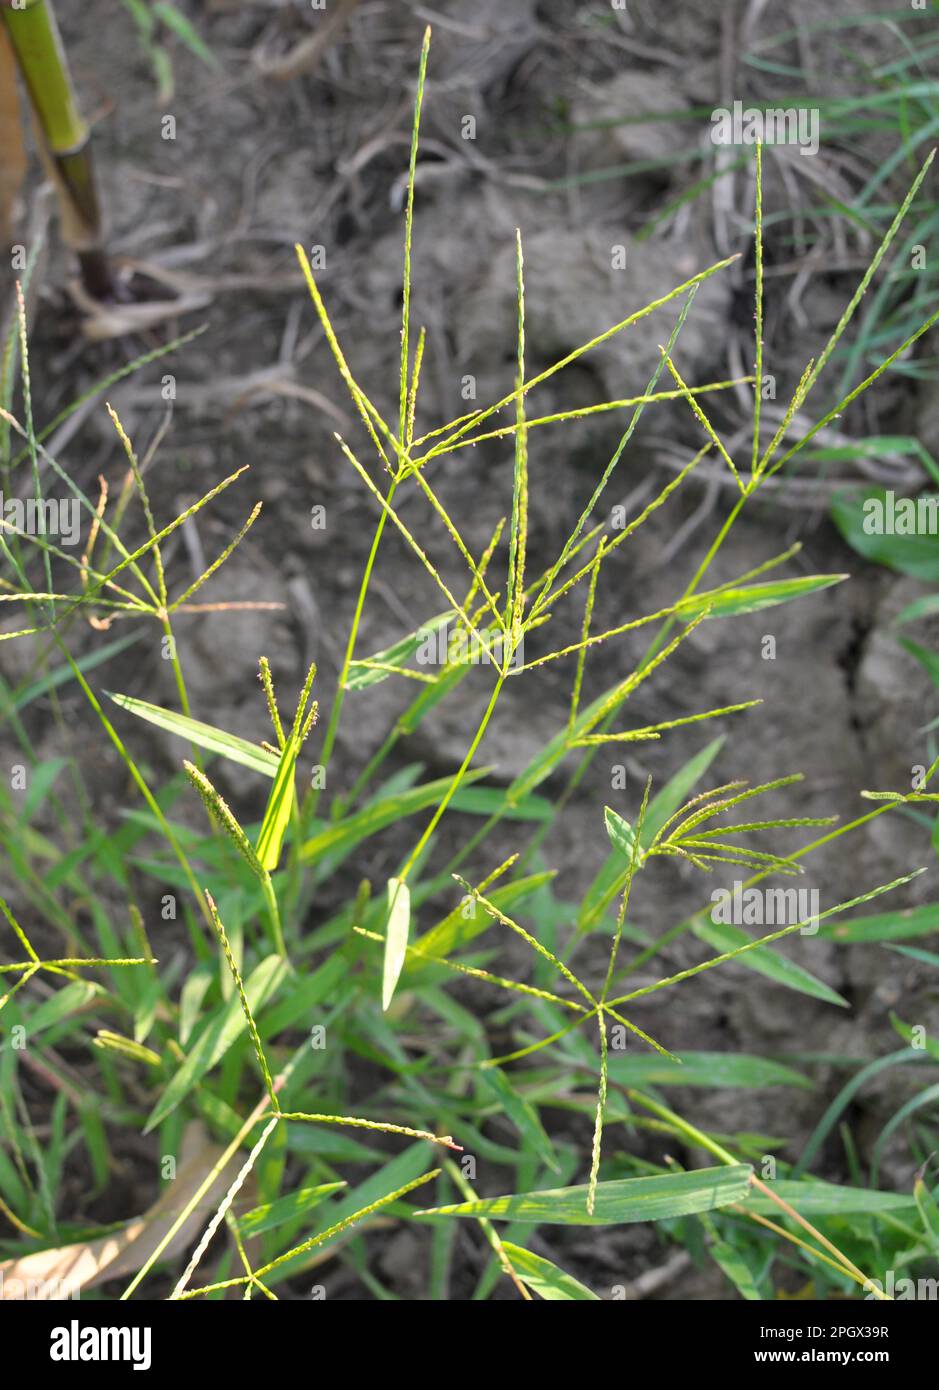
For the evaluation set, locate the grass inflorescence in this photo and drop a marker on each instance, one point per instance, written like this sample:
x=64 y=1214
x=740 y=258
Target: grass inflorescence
x=267 y=967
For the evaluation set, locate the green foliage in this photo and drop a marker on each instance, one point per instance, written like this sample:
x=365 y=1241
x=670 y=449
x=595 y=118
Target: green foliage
x=157 y=22
x=281 y=951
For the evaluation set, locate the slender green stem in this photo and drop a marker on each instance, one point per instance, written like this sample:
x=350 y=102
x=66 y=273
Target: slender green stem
x=311 y=799
x=457 y=779
x=696 y=1136
x=218 y=1167
x=758 y=384
x=270 y=898
x=409 y=224
x=137 y=776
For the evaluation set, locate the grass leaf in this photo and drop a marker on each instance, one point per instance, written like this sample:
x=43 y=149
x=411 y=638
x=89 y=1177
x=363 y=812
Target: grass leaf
x=617 y=1203
x=396 y=937
x=813 y=1198
x=731 y=1069
x=724 y=937
x=220 y=1033
x=544 y=1278
x=237 y=750
x=751 y=598
x=279 y=807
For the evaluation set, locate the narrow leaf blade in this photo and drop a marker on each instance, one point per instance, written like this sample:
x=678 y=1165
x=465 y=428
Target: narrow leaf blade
x=396 y=937
x=617 y=1203
x=206 y=736
x=544 y=1278
x=279 y=806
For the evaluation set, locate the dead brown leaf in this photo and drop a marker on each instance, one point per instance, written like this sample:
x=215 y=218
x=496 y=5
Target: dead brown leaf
x=69 y=1269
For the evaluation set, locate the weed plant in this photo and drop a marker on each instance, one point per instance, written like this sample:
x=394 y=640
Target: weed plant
x=233 y=1039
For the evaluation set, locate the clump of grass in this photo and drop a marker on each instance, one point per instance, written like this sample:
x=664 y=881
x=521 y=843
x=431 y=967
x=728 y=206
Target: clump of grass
x=232 y=1043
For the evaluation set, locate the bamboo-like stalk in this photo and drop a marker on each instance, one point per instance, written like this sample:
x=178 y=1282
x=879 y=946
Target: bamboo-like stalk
x=13 y=163
x=40 y=55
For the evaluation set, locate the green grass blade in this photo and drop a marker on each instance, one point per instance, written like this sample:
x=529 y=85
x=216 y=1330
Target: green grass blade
x=617 y=1203
x=544 y=1278
x=279 y=807
x=206 y=736
x=396 y=937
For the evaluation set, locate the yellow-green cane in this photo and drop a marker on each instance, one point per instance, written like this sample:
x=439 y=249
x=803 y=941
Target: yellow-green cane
x=40 y=56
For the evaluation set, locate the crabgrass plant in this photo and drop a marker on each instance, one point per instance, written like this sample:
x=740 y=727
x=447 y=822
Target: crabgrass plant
x=224 y=1038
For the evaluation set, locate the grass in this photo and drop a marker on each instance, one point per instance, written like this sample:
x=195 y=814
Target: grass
x=156 y=22
x=256 y=1042
x=887 y=97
